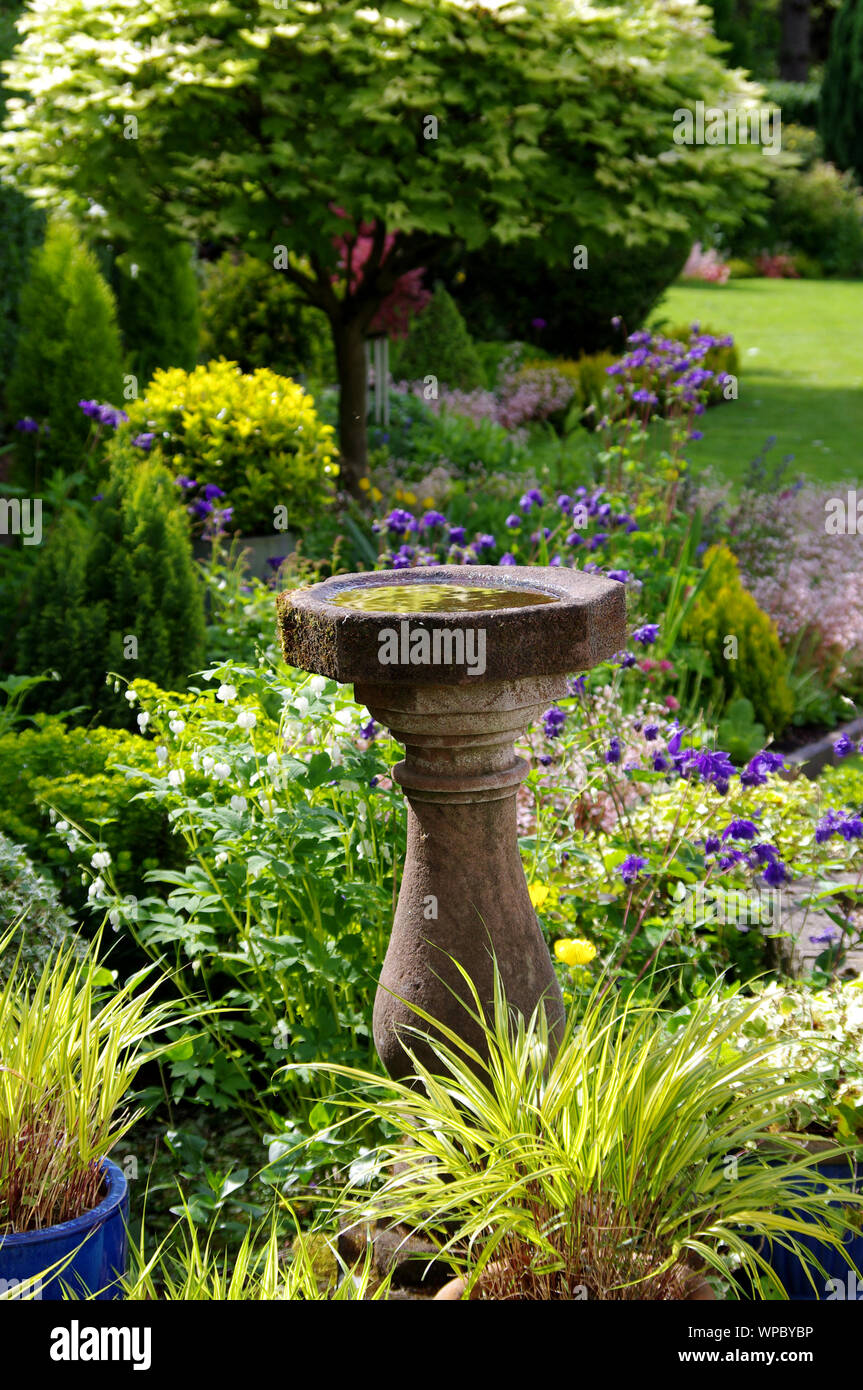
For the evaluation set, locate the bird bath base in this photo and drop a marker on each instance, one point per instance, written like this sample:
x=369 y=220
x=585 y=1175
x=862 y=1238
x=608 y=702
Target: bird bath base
x=463 y=893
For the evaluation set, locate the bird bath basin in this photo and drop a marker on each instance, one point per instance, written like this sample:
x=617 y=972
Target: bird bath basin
x=456 y=661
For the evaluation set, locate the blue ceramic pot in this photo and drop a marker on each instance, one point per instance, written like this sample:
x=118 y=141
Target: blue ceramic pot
x=98 y=1263
x=836 y=1263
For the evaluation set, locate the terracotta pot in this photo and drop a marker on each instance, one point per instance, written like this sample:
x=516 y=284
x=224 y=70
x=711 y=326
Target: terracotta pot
x=453 y=1292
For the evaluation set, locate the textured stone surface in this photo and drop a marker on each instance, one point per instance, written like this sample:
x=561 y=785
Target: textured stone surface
x=585 y=626
x=463 y=894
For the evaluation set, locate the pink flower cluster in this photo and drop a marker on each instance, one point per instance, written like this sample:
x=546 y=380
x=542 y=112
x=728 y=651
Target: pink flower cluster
x=534 y=393
x=531 y=393
x=809 y=580
x=705 y=265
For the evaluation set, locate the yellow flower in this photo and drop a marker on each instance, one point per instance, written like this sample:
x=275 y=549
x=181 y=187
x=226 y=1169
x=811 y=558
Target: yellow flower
x=575 y=951
x=409 y=497
x=538 y=894
x=460 y=277
x=399 y=495
x=364 y=484
x=428 y=502
x=376 y=494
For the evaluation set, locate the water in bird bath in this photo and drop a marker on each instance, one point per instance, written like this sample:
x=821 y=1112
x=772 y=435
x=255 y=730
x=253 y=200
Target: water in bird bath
x=437 y=598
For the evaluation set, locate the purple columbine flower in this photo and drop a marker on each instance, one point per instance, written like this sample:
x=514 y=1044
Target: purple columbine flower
x=565 y=503
x=90 y=408
x=827 y=827
x=712 y=844
x=843 y=746
x=484 y=542
x=647 y=634
x=369 y=730
x=625 y=660
x=184 y=482
x=631 y=867
x=651 y=731
x=775 y=873
x=740 y=830
x=758 y=769
x=613 y=754
x=553 y=721
x=575 y=685
x=622 y=576
x=532 y=495
x=851 y=828
x=507 y=559
x=538 y=323
x=110 y=415
x=143 y=441
x=513 y=521
x=574 y=539
x=826 y=936
x=660 y=764
x=433 y=519
x=276 y=561
x=399 y=520
x=211 y=491
x=764 y=853
x=457 y=535
x=27 y=425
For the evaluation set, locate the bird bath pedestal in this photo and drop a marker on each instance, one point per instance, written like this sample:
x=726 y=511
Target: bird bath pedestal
x=456 y=661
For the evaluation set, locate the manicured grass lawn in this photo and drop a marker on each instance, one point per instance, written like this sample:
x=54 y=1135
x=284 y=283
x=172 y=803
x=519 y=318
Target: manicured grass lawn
x=801 y=372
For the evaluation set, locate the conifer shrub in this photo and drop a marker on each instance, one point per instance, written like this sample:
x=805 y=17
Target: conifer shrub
x=120 y=594
x=257 y=437
x=251 y=315
x=157 y=305
x=439 y=344
x=758 y=671
x=841 y=110
x=68 y=346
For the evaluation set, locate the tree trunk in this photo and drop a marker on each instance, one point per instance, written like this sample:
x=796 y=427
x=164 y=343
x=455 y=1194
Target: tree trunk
x=794 y=53
x=349 y=338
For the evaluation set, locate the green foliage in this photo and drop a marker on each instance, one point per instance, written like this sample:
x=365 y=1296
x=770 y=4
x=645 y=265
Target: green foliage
x=591 y=1168
x=798 y=102
x=258 y=437
x=68 y=346
x=439 y=345
x=75 y=772
x=752 y=29
x=71 y=1051
x=501 y=296
x=841 y=117
x=22 y=227
x=122 y=589
x=253 y=316
x=157 y=306
x=29 y=897
x=515 y=151
x=819 y=212
x=739 y=733
x=283 y=905
x=725 y=609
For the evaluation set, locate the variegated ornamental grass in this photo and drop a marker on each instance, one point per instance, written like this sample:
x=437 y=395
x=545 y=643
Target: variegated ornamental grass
x=646 y=1147
x=72 y=1042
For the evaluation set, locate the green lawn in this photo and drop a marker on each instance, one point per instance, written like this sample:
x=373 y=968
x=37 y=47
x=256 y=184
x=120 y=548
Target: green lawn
x=801 y=372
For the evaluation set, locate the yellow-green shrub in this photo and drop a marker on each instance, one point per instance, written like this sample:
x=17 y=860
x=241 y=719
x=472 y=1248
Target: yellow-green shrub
x=257 y=436
x=758 y=672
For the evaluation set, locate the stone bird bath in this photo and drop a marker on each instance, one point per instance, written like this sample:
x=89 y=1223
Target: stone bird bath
x=456 y=661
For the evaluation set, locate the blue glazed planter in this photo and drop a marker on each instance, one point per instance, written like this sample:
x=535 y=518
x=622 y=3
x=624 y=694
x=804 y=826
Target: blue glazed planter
x=97 y=1265
x=836 y=1263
